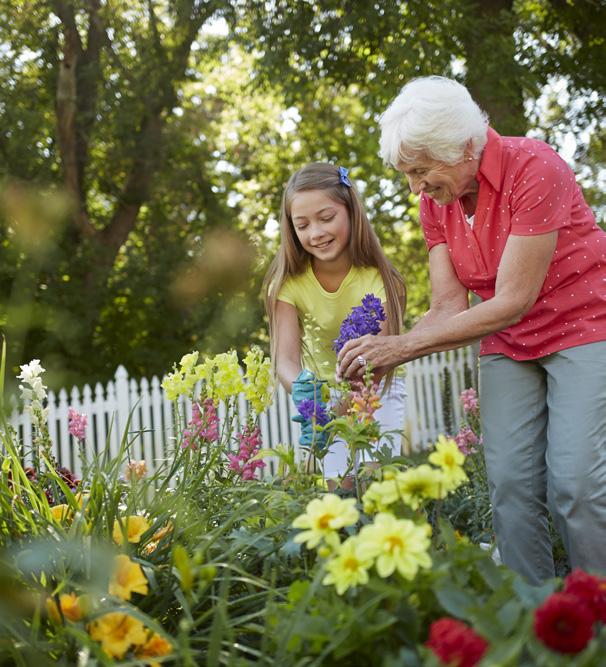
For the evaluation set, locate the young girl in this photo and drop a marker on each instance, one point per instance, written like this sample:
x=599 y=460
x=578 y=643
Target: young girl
x=329 y=259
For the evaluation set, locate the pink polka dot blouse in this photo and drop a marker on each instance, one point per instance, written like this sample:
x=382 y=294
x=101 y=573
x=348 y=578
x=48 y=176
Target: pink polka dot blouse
x=527 y=189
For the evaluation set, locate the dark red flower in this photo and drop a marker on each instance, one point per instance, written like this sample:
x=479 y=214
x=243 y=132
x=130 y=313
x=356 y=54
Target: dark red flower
x=455 y=643
x=591 y=590
x=564 y=623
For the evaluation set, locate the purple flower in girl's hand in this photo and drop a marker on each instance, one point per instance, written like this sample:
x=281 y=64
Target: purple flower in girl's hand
x=310 y=410
x=362 y=320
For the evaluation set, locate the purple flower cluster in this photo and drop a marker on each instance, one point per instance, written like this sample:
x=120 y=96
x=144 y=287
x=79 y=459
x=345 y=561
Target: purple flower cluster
x=313 y=410
x=362 y=320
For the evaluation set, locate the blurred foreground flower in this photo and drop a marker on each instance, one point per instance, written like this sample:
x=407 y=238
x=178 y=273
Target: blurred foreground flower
x=134 y=526
x=72 y=607
x=564 y=623
x=117 y=632
x=155 y=647
x=127 y=578
x=455 y=643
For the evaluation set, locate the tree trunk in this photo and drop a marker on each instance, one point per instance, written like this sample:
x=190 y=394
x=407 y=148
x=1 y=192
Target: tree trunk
x=493 y=76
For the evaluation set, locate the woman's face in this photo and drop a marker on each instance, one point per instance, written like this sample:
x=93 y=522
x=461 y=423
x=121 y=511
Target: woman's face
x=444 y=183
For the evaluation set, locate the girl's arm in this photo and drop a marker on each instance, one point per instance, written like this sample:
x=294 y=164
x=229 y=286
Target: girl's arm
x=288 y=348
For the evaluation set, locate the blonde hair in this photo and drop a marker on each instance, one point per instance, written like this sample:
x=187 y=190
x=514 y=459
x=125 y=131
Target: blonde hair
x=364 y=247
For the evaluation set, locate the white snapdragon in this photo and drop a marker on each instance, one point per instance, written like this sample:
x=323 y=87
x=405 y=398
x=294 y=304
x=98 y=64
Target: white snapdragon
x=35 y=393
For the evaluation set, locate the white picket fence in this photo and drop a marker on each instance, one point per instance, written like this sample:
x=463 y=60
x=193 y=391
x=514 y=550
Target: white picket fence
x=152 y=426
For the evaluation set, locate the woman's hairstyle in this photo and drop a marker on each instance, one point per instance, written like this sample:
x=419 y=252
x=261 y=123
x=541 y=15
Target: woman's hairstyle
x=435 y=117
x=364 y=247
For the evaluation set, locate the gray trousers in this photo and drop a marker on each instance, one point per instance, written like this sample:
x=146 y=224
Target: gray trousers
x=544 y=426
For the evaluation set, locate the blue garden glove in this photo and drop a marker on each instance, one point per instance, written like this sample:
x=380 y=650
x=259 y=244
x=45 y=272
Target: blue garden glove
x=308 y=388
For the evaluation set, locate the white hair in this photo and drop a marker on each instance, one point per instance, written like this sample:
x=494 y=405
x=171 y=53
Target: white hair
x=435 y=117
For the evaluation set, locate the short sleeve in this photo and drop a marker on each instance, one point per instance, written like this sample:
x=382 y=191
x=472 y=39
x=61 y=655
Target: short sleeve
x=542 y=193
x=287 y=293
x=432 y=230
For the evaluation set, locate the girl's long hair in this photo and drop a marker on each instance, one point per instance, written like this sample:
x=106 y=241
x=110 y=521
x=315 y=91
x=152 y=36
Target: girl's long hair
x=364 y=247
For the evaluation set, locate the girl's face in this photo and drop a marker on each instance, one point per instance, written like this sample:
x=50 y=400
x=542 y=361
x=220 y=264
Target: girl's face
x=321 y=224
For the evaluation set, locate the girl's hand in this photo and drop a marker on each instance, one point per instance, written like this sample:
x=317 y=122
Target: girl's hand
x=380 y=352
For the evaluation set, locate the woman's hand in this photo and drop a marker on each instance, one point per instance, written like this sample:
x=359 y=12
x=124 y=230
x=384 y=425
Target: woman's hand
x=380 y=352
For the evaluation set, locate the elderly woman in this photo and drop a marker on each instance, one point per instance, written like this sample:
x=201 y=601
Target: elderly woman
x=504 y=218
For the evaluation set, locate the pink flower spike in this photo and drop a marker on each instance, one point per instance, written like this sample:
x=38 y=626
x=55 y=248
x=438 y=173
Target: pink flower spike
x=77 y=424
x=469 y=400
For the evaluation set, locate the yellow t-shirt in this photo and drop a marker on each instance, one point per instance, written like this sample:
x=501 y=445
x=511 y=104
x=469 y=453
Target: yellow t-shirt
x=321 y=312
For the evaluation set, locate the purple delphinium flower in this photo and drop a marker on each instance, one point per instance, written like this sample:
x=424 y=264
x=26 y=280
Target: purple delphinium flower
x=310 y=410
x=362 y=320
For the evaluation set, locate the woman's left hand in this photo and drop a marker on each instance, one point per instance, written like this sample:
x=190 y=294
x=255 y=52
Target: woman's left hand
x=380 y=352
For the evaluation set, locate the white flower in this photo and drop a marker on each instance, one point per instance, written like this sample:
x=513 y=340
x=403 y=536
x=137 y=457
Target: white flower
x=30 y=371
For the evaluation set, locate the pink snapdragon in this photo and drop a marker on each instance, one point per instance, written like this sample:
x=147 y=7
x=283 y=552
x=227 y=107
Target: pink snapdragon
x=469 y=400
x=466 y=440
x=76 y=424
x=249 y=441
x=364 y=402
x=203 y=426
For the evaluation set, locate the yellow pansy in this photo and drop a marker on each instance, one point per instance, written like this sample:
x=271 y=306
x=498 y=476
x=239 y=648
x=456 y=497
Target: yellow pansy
x=450 y=459
x=416 y=485
x=117 y=632
x=323 y=517
x=395 y=544
x=379 y=496
x=72 y=607
x=348 y=568
x=134 y=525
x=127 y=578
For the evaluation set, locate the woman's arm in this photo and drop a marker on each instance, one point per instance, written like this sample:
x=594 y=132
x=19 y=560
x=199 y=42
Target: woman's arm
x=288 y=348
x=521 y=275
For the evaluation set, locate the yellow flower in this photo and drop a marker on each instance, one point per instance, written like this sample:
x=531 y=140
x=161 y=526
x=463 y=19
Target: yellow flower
x=421 y=483
x=188 y=361
x=396 y=544
x=348 y=568
x=155 y=646
x=135 y=527
x=226 y=380
x=152 y=545
x=379 y=496
x=127 y=578
x=449 y=457
x=175 y=385
x=60 y=513
x=117 y=632
x=72 y=607
x=323 y=517
x=259 y=383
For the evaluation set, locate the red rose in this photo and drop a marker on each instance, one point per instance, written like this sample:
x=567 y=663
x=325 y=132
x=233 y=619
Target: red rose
x=564 y=623
x=455 y=643
x=590 y=590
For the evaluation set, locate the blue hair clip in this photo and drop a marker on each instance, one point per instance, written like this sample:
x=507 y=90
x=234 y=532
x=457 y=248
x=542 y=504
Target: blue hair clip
x=343 y=177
